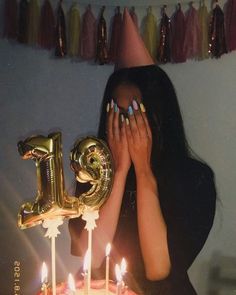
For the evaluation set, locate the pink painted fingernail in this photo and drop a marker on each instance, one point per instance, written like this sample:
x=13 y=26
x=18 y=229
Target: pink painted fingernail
x=135 y=105
x=112 y=103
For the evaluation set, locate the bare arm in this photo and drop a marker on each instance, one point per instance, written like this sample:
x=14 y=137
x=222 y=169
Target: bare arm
x=151 y=224
x=109 y=213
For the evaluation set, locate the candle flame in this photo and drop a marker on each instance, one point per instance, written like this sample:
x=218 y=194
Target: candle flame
x=44 y=273
x=86 y=261
x=123 y=266
x=108 y=249
x=71 y=282
x=118 y=273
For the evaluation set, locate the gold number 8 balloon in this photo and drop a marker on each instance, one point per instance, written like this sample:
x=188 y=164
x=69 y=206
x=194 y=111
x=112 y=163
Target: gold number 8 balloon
x=91 y=161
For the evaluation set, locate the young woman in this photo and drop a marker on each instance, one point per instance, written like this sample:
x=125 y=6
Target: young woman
x=162 y=204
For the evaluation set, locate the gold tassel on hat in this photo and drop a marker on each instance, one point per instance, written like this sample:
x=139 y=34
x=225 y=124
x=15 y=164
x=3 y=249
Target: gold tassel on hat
x=150 y=33
x=74 y=30
x=33 y=25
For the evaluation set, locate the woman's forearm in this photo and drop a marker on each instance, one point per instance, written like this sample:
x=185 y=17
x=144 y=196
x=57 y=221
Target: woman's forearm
x=106 y=224
x=152 y=227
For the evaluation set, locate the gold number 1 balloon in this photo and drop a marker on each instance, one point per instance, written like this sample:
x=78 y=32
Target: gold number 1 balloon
x=51 y=199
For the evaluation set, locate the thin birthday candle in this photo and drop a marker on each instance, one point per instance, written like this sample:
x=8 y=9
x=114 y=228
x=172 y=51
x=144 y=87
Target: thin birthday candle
x=44 y=279
x=108 y=249
x=119 y=280
x=86 y=277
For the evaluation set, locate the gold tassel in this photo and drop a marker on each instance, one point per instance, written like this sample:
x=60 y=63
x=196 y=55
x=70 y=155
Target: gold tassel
x=74 y=30
x=33 y=25
x=204 y=25
x=150 y=33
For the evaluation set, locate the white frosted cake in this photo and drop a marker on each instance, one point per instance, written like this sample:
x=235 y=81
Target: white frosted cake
x=97 y=288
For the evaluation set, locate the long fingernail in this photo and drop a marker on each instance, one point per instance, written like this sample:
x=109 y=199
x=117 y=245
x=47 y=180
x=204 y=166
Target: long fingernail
x=108 y=107
x=135 y=105
x=142 y=108
x=130 y=110
x=116 y=108
x=127 y=121
x=112 y=104
x=122 y=118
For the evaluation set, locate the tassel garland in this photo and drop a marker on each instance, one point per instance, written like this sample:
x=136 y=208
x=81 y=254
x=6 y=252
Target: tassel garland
x=196 y=34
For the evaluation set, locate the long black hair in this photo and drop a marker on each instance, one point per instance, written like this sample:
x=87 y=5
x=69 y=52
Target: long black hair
x=162 y=109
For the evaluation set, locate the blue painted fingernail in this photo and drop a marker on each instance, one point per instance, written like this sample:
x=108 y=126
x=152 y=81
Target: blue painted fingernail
x=130 y=110
x=115 y=108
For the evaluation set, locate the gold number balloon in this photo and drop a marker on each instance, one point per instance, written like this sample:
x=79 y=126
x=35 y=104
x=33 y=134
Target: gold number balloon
x=51 y=199
x=91 y=161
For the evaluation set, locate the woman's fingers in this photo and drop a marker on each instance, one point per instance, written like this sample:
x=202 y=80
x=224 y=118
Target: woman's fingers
x=116 y=127
x=110 y=116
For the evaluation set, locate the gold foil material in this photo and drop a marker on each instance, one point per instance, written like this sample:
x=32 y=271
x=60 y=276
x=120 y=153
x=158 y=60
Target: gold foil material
x=51 y=199
x=91 y=161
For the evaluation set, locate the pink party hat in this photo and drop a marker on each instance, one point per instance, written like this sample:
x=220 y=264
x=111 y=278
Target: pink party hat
x=132 y=51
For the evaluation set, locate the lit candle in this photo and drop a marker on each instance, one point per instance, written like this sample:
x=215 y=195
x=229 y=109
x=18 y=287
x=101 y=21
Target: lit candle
x=86 y=277
x=119 y=284
x=71 y=284
x=44 y=279
x=108 y=250
x=123 y=266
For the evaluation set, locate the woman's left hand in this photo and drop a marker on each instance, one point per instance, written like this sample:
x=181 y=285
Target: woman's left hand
x=139 y=138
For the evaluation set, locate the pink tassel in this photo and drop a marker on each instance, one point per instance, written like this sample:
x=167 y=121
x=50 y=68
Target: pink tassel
x=115 y=35
x=47 y=26
x=134 y=16
x=230 y=24
x=192 y=34
x=163 y=54
x=217 y=45
x=178 y=35
x=88 y=35
x=10 y=19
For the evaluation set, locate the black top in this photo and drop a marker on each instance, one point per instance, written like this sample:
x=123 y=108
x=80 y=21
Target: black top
x=187 y=197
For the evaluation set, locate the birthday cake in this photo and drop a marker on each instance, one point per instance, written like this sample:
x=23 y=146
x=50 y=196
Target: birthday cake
x=97 y=288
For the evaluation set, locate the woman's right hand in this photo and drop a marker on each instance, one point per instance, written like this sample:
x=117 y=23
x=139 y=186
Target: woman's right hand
x=117 y=140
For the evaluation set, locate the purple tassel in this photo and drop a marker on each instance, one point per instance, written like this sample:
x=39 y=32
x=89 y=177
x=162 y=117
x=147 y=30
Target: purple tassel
x=61 y=48
x=10 y=19
x=115 y=35
x=163 y=55
x=88 y=35
x=230 y=24
x=47 y=27
x=217 y=45
x=102 y=50
x=23 y=22
x=178 y=27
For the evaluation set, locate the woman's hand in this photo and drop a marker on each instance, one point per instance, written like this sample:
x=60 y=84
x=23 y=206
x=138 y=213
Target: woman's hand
x=117 y=140
x=139 y=138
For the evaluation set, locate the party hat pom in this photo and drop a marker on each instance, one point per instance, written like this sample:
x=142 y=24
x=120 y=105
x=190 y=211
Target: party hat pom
x=150 y=33
x=10 y=19
x=47 y=26
x=115 y=35
x=192 y=33
x=132 y=51
x=163 y=54
x=74 y=30
x=102 y=50
x=61 y=45
x=88 y=35
x=203 y=16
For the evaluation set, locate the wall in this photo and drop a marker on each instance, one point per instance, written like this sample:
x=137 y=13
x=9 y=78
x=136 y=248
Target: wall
x=39 y=94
